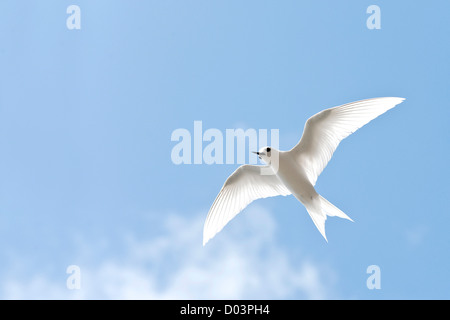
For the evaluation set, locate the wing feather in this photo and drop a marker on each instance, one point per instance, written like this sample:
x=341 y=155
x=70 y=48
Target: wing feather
x=325 y=130
x=244 y=186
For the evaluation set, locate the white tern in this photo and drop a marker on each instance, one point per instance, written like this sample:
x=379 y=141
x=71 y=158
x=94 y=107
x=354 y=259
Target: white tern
x=295 y=171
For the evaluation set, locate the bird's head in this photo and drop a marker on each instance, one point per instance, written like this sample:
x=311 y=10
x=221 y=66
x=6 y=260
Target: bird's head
x=266 y=154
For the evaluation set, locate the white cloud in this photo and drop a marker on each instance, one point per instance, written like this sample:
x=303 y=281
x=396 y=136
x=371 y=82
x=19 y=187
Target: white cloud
x=244 y=261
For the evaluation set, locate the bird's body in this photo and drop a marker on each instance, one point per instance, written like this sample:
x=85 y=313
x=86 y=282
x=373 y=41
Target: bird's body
x=295 y=172
x=295 y=180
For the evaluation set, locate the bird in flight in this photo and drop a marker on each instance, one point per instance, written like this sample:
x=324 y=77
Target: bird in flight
x=295 y=172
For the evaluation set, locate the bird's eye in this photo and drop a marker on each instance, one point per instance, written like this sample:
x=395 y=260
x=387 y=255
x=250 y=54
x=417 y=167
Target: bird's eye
x=268 y=149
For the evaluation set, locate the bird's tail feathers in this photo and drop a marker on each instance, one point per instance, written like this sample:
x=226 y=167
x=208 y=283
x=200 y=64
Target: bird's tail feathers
x=332 y=211
x=318 y=216
x=319 y=210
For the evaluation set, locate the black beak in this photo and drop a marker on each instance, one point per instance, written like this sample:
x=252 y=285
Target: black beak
x=255 y=152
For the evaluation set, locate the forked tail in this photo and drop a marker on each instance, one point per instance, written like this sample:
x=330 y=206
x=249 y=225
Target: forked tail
x=332 y=211
x=319 y=209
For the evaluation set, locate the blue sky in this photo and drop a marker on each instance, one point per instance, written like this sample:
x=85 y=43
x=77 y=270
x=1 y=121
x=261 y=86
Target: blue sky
x=86 y=176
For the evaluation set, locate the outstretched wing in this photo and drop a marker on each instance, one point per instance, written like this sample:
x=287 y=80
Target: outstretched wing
x=245 y=185
x=325 y=130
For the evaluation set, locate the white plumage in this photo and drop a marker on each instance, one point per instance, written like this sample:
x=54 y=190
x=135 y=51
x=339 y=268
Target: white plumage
x=295 y=171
